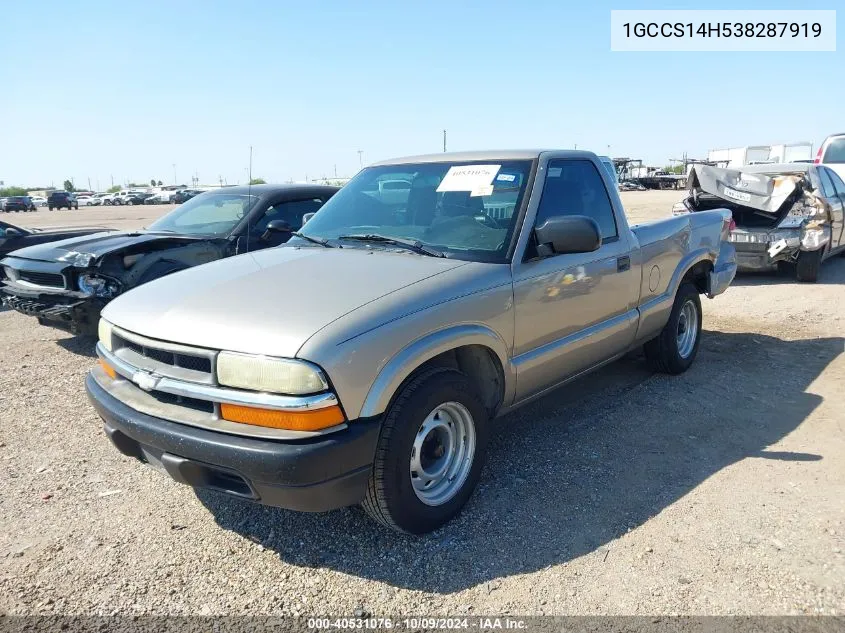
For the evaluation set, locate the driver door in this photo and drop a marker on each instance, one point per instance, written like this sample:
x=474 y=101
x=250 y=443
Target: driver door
x=573 y=310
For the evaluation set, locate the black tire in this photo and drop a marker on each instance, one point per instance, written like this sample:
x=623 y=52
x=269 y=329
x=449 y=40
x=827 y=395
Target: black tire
x=51 y=208
x=808 y=265
x=391 y=499
x=75 y=207
x=663 y=353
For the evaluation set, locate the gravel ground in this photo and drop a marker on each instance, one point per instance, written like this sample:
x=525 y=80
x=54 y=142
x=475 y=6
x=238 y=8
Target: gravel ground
x=716 y=492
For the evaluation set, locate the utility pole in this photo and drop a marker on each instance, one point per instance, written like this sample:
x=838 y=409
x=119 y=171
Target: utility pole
x=576 y=145
x=174 y=174
x=335 y=170
x=112 y=179
x=444 y=140
x=361 y=158
x=89 y=183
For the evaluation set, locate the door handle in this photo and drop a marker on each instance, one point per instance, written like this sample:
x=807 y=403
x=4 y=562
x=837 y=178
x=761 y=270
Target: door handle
x=623 y=263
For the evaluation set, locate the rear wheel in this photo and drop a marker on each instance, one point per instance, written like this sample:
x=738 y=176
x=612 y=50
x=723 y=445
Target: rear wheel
x=808 y=265
x=430 y=453
x=675 y=348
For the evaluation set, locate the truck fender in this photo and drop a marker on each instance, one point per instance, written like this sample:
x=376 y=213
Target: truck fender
x=654 y=314
x=423 y=349
x=685 y=265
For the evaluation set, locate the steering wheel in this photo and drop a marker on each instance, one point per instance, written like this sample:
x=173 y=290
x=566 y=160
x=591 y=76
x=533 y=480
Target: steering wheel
x=490 y=222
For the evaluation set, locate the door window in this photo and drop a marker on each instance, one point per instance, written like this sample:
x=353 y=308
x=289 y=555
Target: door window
x=838 y=185
x=575 y=187
x=291 y=211
x=827 y=184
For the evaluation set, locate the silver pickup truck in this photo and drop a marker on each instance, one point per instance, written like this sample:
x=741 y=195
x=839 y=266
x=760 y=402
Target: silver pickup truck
x=363 y=361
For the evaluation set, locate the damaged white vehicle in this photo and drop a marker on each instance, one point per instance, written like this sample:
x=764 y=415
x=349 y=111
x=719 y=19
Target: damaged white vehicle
x=786 y=215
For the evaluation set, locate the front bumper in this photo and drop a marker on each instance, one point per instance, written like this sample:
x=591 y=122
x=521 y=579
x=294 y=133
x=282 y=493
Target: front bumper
x=313 y=475
x=66 y=313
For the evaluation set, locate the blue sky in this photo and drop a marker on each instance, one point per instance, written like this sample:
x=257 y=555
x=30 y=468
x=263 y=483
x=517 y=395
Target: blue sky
x=127 y=89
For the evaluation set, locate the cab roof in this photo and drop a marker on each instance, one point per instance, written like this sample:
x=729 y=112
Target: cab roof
x=467 y=157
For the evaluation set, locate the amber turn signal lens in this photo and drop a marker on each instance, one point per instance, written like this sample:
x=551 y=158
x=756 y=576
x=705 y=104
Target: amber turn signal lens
x=111 y=373
x=289 y=420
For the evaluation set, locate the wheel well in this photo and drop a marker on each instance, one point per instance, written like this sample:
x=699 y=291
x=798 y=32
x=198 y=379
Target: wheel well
x=698 y=275
x=480 y=364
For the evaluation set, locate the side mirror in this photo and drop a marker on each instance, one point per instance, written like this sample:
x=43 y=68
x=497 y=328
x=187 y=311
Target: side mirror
x=10 y=232
x=568 y=234
x=275 y=226
x=308 y=216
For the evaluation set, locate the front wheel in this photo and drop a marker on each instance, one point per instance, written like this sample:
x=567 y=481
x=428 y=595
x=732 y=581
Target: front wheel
x=808 y=265
x=675 y=348
x=429 y=456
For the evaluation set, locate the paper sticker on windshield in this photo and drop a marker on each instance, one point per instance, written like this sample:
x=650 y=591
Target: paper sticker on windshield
x=468 y=177
x=506 y=177
x=481 y=190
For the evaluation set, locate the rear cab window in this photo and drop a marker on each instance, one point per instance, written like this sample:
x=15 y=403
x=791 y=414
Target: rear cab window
x=834 y=153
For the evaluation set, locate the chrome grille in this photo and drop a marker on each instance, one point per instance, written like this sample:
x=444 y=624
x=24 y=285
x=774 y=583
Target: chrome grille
x=49 y=280
x=164 y=359
x=179 y=383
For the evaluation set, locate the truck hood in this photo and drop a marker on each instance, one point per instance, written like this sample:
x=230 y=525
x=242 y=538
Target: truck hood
x=78 y=250
x=270 y=302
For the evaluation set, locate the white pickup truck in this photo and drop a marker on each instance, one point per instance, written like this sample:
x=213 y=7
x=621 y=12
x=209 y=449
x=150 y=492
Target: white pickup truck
x=363 y=361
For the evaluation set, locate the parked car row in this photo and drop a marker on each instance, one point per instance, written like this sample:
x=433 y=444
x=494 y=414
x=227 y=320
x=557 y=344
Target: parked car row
x=17 y=204
x=74 y=200
x=490 y=278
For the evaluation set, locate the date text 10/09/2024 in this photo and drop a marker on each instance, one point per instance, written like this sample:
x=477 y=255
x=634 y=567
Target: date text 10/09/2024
x=723 y=29
x=417 y=623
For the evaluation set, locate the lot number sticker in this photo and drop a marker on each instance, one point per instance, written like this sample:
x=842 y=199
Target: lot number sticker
x=473 y=178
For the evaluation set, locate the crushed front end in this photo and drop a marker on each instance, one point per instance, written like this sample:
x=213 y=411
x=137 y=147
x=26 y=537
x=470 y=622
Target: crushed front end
x=66 y=294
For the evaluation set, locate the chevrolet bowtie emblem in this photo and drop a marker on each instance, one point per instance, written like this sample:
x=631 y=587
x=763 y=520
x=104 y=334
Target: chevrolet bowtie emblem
x=145 y=381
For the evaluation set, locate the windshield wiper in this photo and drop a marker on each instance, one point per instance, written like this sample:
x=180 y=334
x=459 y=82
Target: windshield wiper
x=314 y=240
x=412 y=245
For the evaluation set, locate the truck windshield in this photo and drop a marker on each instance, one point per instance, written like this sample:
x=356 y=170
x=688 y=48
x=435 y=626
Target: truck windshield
x=211 y=213
x=465 y=210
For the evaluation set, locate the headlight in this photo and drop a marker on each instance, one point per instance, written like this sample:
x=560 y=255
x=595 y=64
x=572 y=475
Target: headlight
x=104 y=330
x=11 y=273
x=95 y=286
x=276 y=375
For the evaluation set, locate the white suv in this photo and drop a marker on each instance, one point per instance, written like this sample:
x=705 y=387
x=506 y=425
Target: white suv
x=832 y=154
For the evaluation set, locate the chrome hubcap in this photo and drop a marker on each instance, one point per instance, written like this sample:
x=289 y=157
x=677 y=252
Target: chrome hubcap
x=442 y=453
x=687 y=329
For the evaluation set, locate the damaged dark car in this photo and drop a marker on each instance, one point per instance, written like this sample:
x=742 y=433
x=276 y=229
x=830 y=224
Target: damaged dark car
x=66 y=284
x=786 y=216
x=14 y=237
